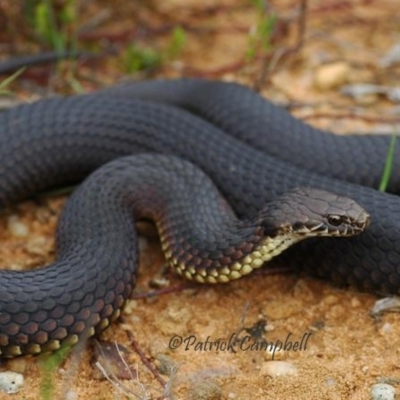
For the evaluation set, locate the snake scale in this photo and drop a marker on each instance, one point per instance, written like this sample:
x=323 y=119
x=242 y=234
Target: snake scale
x=254 y=151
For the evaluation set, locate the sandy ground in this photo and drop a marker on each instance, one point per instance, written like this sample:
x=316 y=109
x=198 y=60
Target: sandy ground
x=341 y=350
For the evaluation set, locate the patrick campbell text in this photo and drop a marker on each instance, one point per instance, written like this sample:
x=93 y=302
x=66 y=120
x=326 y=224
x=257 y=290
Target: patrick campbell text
x=236 y=343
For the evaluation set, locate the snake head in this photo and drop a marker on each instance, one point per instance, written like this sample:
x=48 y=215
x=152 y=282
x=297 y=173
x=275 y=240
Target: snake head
x=308 y=212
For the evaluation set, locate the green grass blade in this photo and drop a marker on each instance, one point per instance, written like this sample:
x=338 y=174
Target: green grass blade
x=49 y=364
x=4 y=83
x=387 y=171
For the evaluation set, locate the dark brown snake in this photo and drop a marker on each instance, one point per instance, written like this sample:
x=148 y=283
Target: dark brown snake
x=60 y=141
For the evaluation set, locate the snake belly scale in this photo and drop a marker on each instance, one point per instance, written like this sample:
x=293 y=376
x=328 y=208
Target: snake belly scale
x=60 y=141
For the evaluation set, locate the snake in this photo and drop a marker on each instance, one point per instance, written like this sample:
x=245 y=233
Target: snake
x=146 y=137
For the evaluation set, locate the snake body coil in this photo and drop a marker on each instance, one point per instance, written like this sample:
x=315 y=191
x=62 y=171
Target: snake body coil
x=60 y=141
x=84 y=289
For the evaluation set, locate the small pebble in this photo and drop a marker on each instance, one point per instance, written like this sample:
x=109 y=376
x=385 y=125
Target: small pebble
x=331 y=75
x=383 y=391
x=205 y=390
x=11 y=382
x=71 y=395
x=166 y=366
x=386 y=328
x=365 y=369
x=274 y=353
x=278 y=368
x=16 y=227
x=386 y=304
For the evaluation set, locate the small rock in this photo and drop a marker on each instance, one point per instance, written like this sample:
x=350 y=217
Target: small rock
x=386 y=328
x=205 y=390
x=71 y=395
x=11 y=382
x=166 y=365
x=273 y=353
x=278 y=368
x=332 y=75
x=16 y=227
x=383 y=391
x=386 y=304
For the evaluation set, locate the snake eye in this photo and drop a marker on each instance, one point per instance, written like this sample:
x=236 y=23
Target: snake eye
x=334 y=220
